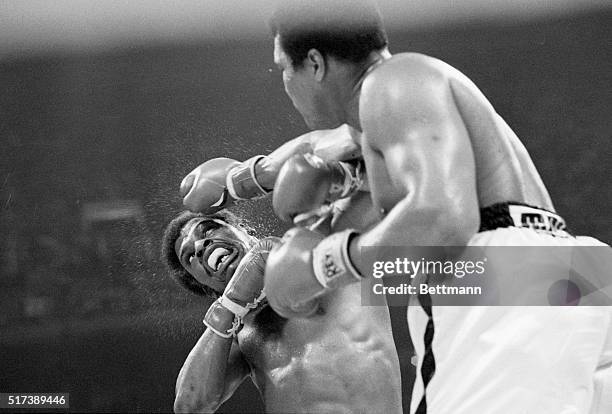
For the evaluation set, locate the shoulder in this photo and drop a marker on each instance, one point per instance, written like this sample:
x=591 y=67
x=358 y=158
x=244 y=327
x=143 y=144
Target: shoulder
x=407 y=73
x=408 y=92
x=404 y=65
x=411 y=82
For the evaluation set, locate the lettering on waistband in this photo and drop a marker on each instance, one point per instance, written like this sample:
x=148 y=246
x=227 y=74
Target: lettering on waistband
x=536 y=219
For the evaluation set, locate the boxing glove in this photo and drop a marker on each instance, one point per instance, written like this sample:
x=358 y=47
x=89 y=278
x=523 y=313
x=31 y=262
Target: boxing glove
x=218 y=182
x=306 y=184
x=305 y=266
x=243 y=292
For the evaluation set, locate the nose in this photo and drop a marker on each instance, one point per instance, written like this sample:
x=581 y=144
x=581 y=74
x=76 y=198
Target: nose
x=200 y=246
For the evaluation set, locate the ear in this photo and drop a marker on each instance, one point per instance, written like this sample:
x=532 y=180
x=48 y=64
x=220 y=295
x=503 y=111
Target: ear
x=317 y=62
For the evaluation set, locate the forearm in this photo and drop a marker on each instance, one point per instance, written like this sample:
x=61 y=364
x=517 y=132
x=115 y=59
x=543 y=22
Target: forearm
x=266 y=170
x=440 y=224
x=201 y=383
x=338 y=144
x=219 y=182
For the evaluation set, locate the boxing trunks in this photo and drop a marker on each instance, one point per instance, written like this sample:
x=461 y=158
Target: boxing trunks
x=515 y=359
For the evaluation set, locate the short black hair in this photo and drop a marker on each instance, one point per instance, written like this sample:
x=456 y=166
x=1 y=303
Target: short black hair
x=168 y=254
x=345 y=29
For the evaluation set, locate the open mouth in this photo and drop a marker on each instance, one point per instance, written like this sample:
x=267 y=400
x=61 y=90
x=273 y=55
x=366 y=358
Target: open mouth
x=219 y=256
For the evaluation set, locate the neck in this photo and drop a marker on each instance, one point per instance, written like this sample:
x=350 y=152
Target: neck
x=352 y=106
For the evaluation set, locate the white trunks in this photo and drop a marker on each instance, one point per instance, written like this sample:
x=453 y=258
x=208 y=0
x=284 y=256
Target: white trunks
x=517 y=359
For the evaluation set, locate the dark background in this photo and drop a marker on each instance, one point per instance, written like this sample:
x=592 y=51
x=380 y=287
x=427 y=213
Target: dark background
x=94 y=145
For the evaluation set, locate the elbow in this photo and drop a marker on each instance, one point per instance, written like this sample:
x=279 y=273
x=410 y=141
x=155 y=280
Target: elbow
x=184 y=404
x=461 y=224
x=455 y=222
x=181 y=406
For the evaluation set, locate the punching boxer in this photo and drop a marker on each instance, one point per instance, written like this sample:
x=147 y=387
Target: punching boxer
x=444 y=169
x=331 y=362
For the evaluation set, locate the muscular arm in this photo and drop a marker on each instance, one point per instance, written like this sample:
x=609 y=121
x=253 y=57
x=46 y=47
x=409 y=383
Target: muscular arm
x=219 y=182
x=421 y=170
x=212 y=372
x=416 y=145
x=337 y=144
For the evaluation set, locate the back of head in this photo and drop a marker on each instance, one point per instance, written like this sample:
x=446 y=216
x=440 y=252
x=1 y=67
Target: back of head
x=345 y=29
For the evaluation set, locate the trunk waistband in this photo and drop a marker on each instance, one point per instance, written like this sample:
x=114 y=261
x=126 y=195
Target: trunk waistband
x=512 y=214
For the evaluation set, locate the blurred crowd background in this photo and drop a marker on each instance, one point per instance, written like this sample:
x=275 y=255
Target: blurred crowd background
x=103 y=110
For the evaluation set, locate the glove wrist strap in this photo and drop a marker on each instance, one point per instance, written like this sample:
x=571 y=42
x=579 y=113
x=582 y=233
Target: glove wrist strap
x=313 y=216
x=353 y=178
x=225 y=316
x=221 y=320
x=237 y=309
x=331 y=262
x=241 y=180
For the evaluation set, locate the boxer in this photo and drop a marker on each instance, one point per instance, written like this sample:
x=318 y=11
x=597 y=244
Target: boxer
x=334 y=361
x=444 y=169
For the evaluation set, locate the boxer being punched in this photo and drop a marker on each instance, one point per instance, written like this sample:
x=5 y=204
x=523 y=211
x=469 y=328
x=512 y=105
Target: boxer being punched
x=444 y=169
x=332 y=362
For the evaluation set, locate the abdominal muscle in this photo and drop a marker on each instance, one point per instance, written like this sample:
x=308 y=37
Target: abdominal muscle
x=343 y=359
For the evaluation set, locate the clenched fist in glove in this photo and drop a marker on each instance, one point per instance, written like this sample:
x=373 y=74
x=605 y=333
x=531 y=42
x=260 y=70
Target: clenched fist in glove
x=305 y=266
x=306 y=184
x=243 y=292
x=216 y=183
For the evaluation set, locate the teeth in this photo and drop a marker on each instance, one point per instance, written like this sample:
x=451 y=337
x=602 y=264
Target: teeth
x=223 y=260
x=219 y=253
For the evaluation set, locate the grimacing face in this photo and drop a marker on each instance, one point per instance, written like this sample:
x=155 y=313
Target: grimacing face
x=210 y=250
